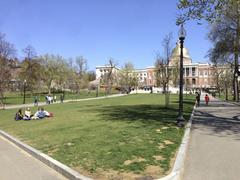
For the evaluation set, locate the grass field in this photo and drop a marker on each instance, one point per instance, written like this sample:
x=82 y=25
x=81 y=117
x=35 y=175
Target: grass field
x=124 y=137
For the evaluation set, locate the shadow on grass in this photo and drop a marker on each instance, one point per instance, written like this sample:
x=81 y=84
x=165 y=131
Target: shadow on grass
x=142 y=113
x=189 y=102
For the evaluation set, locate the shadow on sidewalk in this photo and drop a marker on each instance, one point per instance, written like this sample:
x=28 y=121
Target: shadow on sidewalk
x=216 y=125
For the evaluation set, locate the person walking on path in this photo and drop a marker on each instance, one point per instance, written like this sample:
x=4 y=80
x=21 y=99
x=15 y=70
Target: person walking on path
x=197 y=99
x=206 y=99
x=61 y=98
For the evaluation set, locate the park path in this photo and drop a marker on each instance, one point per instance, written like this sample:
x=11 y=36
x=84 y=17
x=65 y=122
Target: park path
x=214 y=147
x=17 y=164
x=69 y=100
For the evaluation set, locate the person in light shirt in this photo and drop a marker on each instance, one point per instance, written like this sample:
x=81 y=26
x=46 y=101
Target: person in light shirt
x=41 y=113
x=27 y=114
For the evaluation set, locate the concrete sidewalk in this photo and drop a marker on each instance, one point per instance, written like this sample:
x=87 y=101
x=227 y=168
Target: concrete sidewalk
x=214 y=147
x=16 y=164
x=65 y=101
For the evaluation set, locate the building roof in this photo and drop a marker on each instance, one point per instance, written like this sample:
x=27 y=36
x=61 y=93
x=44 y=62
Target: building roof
x=176 y=52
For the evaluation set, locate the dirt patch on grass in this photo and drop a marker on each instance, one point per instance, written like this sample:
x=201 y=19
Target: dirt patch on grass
x=161 y=145
x=158 y=158
x=150 y=171
x=139 y=159
x=108 y=175
x=167 y=142
x=154 y=171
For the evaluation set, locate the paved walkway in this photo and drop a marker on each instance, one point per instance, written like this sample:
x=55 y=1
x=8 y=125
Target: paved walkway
x=69 y=100
x=214 y=147
x=16 y=164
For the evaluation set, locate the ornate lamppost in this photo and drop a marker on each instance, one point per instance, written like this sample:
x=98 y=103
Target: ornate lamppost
x=180 y=119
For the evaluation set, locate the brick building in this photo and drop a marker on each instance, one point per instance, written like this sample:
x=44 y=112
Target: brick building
x=196 y=75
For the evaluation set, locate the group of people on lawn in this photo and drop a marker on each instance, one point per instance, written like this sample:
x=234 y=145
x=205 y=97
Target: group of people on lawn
x=40 y=114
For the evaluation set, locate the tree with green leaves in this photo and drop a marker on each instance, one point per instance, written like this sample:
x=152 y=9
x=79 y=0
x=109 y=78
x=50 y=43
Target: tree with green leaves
x=222 y=53
x=128 y=77
x=55 y=71
x=216 y=11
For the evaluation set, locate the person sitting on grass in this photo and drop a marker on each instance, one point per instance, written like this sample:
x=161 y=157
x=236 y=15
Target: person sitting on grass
x=19 y=115
x=41 y=113
x=27 y=115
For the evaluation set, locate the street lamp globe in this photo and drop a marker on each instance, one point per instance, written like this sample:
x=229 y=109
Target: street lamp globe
x=182 y=32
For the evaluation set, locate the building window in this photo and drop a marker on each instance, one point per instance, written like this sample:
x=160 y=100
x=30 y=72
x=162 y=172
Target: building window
x=187 y=71
x=193 y=71
x=194 y=81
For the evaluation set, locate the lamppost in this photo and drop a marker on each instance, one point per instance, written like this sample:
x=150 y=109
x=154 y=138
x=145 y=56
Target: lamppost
x=24 y=90
x=180 y=119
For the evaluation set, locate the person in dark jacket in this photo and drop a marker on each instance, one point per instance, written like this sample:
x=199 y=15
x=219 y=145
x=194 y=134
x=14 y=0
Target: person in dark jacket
x=19 y=115
x=197 y=99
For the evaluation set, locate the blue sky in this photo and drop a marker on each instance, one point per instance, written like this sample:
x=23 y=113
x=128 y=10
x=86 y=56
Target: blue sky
x=125 y=30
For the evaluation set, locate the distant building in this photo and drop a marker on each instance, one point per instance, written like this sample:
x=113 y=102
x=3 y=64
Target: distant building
x=196 y=75
x=101 y=71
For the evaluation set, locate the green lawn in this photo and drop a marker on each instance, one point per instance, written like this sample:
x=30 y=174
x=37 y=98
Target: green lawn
x=124 y=137
x=223 y=97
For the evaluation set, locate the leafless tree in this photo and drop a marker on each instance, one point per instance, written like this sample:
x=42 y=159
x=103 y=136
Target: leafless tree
x=110 y=76
x=162 y=70
x=30 y=68
x=7 y=51
x=29 y=52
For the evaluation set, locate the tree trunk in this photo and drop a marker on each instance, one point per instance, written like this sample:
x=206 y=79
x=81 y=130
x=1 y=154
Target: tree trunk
x=167 y=97
x=236 y=54
x=49 y=87
x=226 y=93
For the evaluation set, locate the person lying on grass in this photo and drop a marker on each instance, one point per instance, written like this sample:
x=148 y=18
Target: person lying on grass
x=41 y=113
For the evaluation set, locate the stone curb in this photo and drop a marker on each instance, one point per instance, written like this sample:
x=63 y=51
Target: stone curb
x=178 y=168
x=54 y=164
